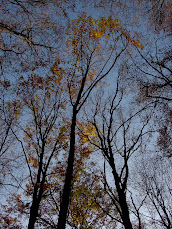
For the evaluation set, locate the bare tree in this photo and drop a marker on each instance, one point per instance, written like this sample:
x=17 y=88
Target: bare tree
x=118 y=140
x=42 y=105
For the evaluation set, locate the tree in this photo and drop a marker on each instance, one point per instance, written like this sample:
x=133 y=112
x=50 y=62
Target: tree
x=42 y=99
x=117 y=142
x=82 y=75
x=83 y=212
x=87 y=39
x=87 y=52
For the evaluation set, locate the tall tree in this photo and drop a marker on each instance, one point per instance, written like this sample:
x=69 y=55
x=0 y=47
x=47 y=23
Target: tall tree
x=94 y=51
x=86 y=53
x=118 y=142
x=42 y=99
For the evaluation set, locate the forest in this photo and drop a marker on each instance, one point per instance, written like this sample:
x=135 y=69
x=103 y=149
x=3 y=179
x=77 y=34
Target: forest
x=85 y=114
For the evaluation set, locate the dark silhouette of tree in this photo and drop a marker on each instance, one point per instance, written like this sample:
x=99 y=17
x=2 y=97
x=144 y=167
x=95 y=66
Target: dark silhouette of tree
x=117 y=143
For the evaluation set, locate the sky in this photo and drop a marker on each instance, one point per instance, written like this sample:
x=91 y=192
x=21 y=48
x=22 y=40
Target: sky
x=55 y=37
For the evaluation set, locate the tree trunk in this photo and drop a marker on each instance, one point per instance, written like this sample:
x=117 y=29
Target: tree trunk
x=33 y=210
x=68 y=179
x=122 y=198
x=125 y=212
x=37 y=196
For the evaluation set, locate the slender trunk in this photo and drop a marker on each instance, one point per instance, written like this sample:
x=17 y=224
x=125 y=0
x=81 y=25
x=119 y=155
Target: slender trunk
x=69 y=174
x=37 y=196
x=64 y=205
x=122 y=199
x=33 y=209
x=125 y=212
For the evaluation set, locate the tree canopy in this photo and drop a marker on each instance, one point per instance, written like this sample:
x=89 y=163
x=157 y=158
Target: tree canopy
x=85 y=114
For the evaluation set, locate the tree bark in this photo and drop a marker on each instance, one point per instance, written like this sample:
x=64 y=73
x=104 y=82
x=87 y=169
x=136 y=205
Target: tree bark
x=35 y=204
x=68 y=179
x=125 y=216
x=37 y=196
x=33 y=210
x=125 y=212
